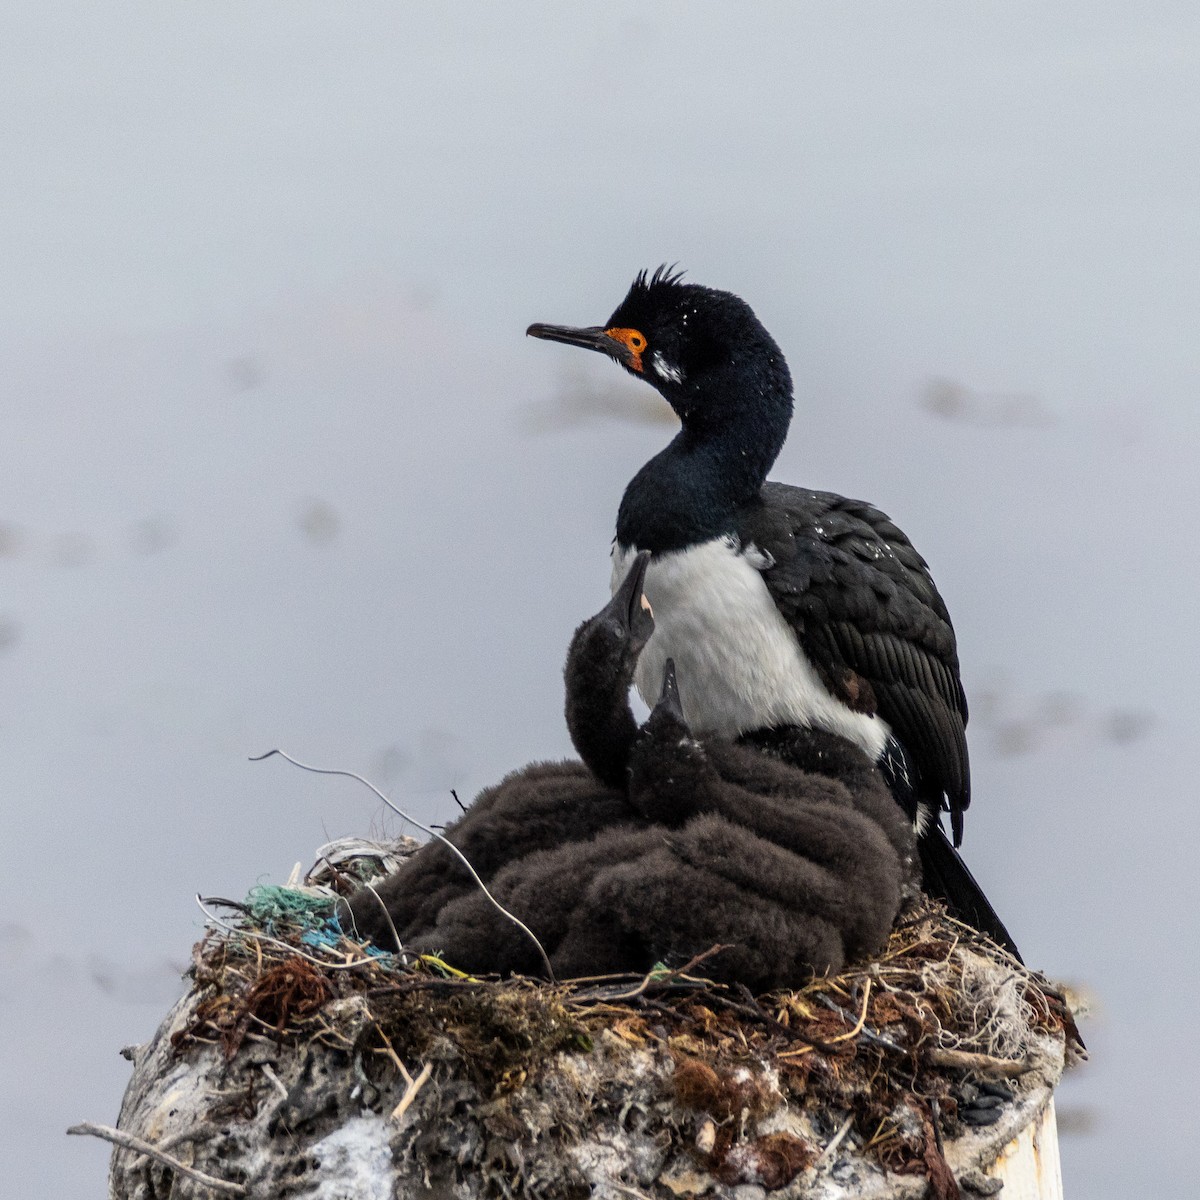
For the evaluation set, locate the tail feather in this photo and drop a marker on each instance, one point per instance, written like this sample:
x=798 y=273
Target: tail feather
x=945 y=876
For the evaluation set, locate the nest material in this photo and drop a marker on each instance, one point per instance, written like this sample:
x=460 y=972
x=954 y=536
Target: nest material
x=303 y=1063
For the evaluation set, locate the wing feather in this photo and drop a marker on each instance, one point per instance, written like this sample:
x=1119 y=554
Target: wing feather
x=864 y=607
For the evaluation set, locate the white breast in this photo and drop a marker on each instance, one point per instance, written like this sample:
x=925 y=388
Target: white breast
x=738 y=663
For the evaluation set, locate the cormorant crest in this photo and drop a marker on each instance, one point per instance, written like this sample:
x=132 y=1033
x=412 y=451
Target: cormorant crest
x=663 y=276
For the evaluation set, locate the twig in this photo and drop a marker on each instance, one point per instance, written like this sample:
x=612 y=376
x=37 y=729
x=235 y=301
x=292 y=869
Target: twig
x=457 y=800
x=757 y=1013
x=883 y=1131
x=423 y=983
x=835 y=1141
x=432 y=833
x=266 y=1070
x=665 y=977
x=128 y=1142
x=860 y=1023
x=655 y=978
x=754 y=1009
x=776 y=1026
x=1001 y=951
x=983 y=1064
x=411 y=1090
x=652 y=1004
x=197 y=1133
x=865 y=1032
x=935 y=1110
x=390 y=1051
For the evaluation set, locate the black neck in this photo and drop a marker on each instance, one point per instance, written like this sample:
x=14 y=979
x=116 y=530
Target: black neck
x=691 y=491
x=602 y=727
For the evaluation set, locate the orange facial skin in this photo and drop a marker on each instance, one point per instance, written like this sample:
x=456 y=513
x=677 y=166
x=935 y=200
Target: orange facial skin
x=634 y=341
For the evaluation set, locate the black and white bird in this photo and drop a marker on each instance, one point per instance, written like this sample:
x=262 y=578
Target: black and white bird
x=781 y=605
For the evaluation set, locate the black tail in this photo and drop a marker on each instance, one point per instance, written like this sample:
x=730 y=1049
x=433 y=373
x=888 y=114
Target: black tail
x=945 y=876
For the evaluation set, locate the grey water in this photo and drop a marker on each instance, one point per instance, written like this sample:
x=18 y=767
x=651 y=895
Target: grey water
x=278 y=467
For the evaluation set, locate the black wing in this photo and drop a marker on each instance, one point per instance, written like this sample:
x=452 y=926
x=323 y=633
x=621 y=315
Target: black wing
x=870 y=619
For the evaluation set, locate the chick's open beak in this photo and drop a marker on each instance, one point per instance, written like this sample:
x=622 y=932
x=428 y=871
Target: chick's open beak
x=629 y=599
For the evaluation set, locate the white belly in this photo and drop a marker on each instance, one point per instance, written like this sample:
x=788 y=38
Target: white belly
x=738 y=663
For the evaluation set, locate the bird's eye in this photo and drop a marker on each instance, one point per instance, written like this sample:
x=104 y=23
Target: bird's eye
x=634 y=342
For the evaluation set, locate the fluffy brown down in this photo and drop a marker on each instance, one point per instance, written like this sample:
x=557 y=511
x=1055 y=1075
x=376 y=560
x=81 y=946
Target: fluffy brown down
x=787 y=846
x=715 y=843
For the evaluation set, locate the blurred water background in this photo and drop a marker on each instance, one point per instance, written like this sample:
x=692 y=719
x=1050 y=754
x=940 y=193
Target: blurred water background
x=280 y=469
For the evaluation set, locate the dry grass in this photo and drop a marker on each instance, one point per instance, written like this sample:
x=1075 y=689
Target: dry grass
x=882 y=1045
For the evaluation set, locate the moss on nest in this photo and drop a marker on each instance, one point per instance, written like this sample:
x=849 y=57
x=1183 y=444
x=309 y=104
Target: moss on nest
x=502 y=1032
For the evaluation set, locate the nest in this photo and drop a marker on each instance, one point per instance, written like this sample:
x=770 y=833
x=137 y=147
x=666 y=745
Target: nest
x=306 y=1063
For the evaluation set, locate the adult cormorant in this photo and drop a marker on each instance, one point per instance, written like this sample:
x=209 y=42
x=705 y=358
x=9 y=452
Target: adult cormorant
x=781 y=606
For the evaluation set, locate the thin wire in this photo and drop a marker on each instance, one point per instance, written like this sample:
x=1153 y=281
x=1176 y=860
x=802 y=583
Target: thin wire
x=432 y=833
x=387 y=916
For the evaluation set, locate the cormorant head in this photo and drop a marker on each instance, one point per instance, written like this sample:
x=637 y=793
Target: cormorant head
x=704 y=350
x=667 y=727
x=618 y=633
x=600 y=664
x=628 y=617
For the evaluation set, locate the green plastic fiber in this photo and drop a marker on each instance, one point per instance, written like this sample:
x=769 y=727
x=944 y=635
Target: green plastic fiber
x=270 y=904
